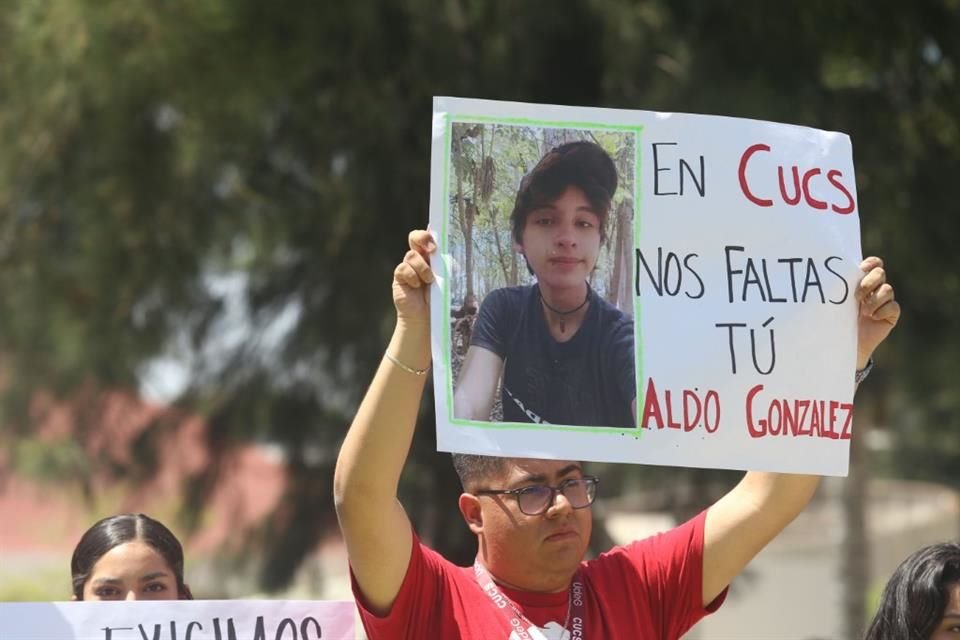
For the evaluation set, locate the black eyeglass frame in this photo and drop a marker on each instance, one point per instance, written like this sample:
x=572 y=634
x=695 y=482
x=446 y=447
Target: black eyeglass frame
x=590 y=483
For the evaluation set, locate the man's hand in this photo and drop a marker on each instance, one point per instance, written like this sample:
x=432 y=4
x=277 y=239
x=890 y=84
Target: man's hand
x=879 y=312
x=411 y=280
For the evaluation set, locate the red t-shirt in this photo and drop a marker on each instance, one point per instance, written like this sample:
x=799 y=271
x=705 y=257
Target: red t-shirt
x=645 y=590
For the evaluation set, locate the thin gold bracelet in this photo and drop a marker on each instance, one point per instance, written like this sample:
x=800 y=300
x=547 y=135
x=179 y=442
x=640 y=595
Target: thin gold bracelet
x=416 y=372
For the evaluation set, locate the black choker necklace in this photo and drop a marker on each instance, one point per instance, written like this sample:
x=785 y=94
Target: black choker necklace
x=562 y=314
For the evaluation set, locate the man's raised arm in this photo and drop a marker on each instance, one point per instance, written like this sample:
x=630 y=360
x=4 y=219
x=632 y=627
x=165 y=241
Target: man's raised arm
x=375 y=526
x=754 y=512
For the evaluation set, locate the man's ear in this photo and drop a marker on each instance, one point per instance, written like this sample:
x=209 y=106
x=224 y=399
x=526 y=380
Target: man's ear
x=470 y=510
x=73 y=598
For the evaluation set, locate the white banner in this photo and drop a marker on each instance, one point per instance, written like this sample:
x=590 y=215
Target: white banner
x=178 y=620
x=731 y=250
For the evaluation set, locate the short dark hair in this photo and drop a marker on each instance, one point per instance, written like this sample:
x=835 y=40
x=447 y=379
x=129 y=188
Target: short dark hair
x=581 y=164
x=473 y=470
x=915 y=598
x=116 y=530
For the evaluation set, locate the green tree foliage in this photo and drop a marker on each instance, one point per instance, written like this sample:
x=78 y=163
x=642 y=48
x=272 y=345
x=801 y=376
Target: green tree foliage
x=153 y=151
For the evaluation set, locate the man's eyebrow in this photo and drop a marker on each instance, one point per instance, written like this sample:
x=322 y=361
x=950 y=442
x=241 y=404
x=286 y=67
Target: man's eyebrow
x=542 y=478
x=532 y=478
x=570 y=468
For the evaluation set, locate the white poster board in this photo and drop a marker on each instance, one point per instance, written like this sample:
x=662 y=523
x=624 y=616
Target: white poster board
x=732 y=246
x=178 y=620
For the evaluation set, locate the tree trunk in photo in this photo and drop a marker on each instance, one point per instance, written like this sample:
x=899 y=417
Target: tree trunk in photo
x=467 y=213
x=619 y=287
x=501 y=257
x=486 y=181
x=553 y=138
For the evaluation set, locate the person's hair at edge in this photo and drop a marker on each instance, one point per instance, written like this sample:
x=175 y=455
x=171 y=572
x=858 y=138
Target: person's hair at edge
x=473 y=470
x=114 y=531
x=915 y=599
x=581 y=164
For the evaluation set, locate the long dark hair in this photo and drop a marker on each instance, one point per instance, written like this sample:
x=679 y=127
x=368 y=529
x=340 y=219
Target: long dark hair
x=116 y=530
x=915 y=598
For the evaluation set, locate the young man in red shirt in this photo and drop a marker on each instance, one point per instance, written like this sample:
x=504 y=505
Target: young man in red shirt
x=532 y=517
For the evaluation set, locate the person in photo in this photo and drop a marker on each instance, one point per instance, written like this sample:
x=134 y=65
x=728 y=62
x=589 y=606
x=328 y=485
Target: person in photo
x=555 y=351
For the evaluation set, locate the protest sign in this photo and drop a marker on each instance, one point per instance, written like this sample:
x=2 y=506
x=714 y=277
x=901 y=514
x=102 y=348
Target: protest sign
x=178 y=620
x=730 y=252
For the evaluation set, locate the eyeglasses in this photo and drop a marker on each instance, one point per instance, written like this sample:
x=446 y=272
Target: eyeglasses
x=536 y=499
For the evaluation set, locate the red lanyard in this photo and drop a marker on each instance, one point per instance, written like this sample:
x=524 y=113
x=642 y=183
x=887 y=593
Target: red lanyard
x=576 y=611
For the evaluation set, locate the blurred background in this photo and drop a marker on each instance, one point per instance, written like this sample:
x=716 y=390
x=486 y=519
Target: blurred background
x=202 y=202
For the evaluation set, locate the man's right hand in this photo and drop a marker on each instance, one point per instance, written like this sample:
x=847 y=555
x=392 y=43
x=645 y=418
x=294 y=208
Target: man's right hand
x=411 y=280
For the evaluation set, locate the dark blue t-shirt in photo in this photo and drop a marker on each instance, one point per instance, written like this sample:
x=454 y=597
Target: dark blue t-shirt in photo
x=588 y=381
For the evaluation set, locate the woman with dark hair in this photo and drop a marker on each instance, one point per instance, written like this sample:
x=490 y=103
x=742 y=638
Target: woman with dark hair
x=559 y=352
x=128 y=557
x=922 y=599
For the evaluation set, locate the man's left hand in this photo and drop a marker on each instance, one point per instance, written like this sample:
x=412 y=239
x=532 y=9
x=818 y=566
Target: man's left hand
x=879 y=311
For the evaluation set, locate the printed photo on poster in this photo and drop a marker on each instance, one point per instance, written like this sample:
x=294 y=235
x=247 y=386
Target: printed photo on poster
x=541 y=307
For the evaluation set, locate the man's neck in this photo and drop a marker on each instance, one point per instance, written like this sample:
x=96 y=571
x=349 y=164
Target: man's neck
x=565 y=299
x=565 y=311
x=541 y=584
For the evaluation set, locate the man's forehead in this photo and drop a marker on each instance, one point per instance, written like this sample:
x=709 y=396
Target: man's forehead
x=517 y=468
